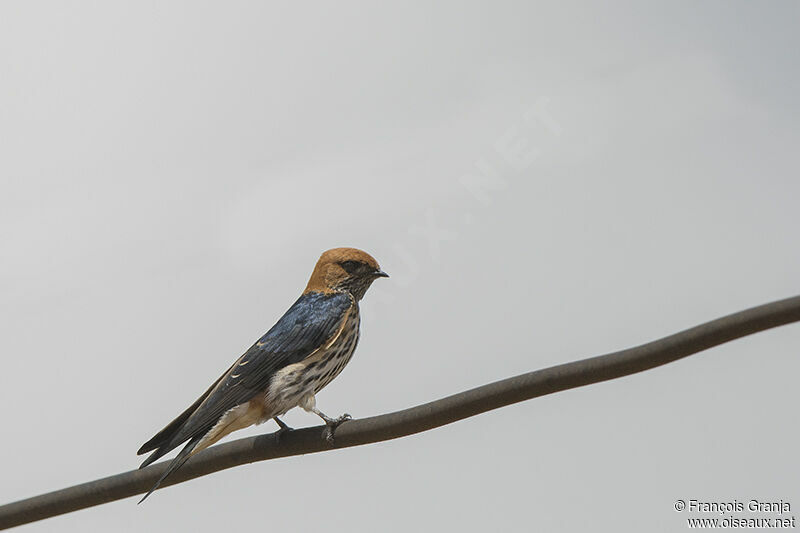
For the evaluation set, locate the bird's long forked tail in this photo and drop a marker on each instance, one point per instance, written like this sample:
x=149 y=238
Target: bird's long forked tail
x=176 y=463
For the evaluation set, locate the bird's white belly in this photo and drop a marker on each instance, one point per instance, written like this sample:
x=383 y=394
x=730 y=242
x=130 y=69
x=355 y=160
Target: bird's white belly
x=292 y=384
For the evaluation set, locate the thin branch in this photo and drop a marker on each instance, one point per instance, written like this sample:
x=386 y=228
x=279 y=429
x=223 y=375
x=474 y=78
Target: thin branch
x=413 y=420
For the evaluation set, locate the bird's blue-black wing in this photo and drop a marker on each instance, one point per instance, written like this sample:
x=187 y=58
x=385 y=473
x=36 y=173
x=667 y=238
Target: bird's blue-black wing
x=311 y=321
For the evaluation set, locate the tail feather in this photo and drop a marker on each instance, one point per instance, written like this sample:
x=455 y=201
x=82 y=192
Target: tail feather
x=176 y=463
x=168 y=433
x=156 y=455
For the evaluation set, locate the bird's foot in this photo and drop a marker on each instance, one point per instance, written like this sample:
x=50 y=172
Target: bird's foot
x=284 y=429
x=330 y=426
x=281 y=432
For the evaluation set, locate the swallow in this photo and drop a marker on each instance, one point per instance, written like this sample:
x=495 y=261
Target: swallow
x=304 y=351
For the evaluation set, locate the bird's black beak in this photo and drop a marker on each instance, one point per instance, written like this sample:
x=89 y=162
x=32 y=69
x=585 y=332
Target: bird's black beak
x=380 y=274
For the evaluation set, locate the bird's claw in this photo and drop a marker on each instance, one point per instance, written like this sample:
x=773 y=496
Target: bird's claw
x=281 y=432
x=330 y=426
x=284 y=428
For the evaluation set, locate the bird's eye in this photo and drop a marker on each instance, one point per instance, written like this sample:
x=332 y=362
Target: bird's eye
x=349 y=266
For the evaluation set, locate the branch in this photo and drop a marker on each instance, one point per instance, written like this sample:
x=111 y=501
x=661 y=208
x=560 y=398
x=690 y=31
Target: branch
x=413 y=420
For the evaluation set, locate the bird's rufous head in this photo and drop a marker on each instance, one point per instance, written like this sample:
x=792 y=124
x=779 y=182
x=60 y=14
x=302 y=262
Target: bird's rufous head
x=345 y=269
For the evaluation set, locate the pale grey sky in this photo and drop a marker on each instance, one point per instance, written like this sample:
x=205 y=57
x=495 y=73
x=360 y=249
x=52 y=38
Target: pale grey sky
x=170 y=173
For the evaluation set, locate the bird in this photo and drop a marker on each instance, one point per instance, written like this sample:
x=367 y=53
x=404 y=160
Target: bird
x=302 y=353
